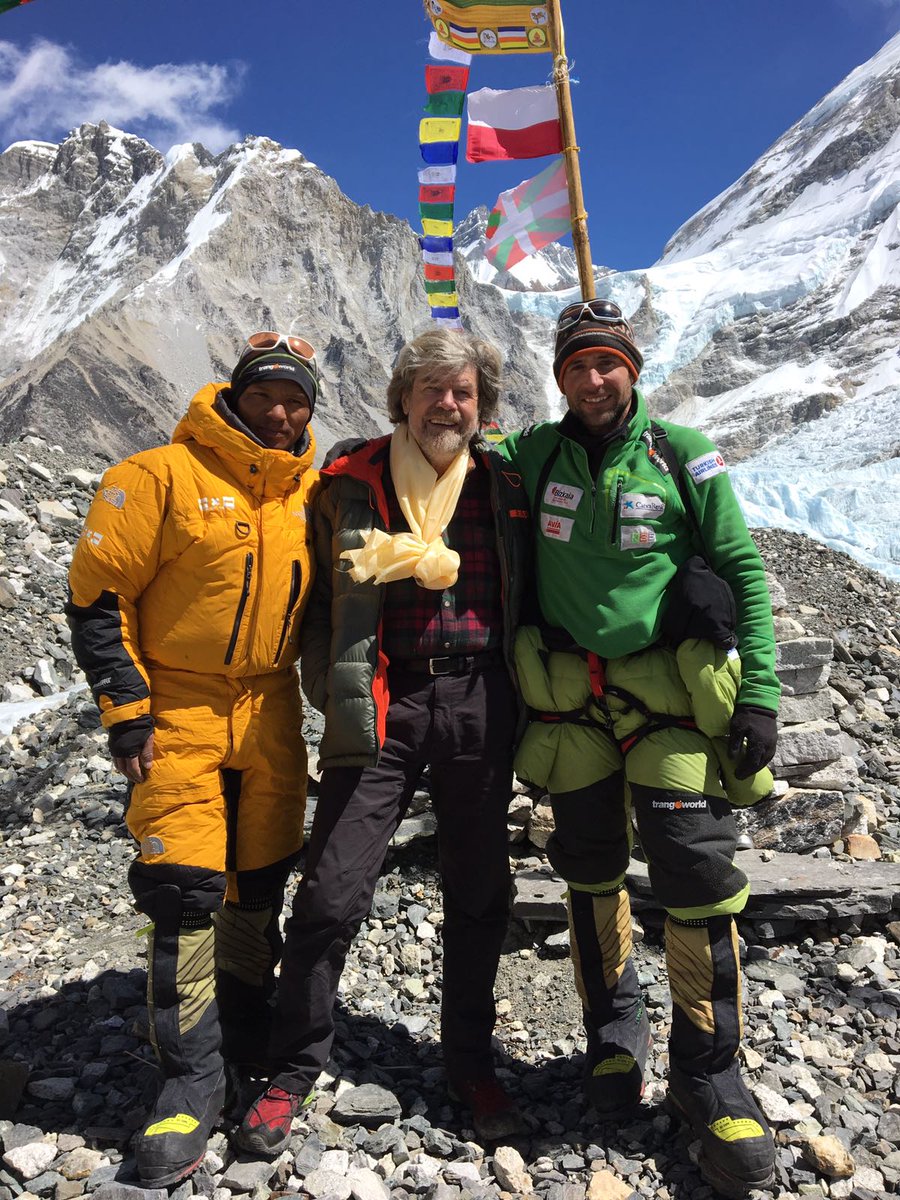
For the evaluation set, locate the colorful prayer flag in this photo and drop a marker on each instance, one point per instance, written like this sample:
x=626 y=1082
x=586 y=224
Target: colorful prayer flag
x=433 y=228
x=521 y=123
x=439 y=129
x=430 y=175
x=443 y=53
x=436 y=212
x=436 y=245
x=446 y=104
x=445 y=78
x=437 y=193
x=504 y=26
x=529 y=217
x=437 y=258
x=438 y=271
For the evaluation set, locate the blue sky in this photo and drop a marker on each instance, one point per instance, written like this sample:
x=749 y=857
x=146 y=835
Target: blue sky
x=675 y=100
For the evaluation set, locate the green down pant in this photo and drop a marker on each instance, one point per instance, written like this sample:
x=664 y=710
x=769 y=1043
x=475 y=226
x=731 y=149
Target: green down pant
x=671 y=778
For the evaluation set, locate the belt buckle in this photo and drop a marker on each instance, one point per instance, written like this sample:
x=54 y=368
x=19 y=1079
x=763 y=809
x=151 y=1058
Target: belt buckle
x=440 y=658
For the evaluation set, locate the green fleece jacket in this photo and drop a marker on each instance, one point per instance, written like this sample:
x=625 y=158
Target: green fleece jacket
x=608 y=547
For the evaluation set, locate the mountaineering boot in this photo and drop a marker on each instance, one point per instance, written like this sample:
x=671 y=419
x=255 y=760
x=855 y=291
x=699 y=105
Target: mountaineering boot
x=616 y=1024
x=184 y=1029
x=737 y=1152
x=495 y=1115
x=266 y=1127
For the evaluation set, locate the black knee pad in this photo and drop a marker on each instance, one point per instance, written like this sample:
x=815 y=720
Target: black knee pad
x=590 y=841
x=175 y=895
x=690 y=842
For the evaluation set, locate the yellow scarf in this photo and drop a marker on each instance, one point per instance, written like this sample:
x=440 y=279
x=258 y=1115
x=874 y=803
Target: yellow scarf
x=428 y=502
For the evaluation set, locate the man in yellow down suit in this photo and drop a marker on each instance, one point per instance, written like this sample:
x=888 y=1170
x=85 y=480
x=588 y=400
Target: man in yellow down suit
x=187 y=590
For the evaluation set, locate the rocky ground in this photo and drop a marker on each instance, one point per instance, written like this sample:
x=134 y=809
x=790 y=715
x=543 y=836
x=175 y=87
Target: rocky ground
x=822 y=1043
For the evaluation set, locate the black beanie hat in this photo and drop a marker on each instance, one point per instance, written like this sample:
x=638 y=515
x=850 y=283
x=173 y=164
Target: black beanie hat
x=258 y=365
x=591 y=335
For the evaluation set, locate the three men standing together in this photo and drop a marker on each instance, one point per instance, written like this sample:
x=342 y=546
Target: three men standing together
x=422 y=547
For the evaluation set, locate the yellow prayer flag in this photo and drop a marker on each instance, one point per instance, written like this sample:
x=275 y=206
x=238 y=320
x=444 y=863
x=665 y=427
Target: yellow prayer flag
x=439 y=129
x=432 y=228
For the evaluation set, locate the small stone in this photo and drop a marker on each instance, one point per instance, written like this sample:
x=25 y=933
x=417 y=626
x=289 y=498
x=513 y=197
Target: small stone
x=509 y=1171
x=247 y=1176
x=828 y=1157
x=604 y=1185
x=862 y=846
x=81 y=1162
x=31 y=1159
x=368 y=1105
x=366 y=1184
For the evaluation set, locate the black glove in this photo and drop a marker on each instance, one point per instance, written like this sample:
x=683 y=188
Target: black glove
x=127 y=737
x=757 y=727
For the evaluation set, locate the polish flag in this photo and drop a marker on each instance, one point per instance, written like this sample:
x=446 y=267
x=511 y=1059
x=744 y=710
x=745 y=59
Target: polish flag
x=522 y=123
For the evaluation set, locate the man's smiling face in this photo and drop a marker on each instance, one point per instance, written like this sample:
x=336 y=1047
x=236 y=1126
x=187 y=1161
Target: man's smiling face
x=443 y=413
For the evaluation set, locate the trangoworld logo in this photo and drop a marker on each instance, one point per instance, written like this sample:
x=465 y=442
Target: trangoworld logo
x=679 y=804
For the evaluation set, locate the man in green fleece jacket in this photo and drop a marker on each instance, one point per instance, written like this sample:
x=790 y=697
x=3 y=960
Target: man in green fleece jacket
x=611 y=531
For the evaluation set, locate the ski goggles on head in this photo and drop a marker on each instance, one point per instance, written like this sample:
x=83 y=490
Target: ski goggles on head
x=270 y=339
x=603 y=312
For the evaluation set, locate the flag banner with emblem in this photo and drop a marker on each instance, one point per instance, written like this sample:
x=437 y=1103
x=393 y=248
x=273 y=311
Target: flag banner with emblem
x=529 y=217
x=437 y=270
x=521 y=123
x=504 y=26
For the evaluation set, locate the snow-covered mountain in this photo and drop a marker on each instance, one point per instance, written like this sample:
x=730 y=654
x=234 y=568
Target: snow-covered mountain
x=772 y=321
x=128 y=279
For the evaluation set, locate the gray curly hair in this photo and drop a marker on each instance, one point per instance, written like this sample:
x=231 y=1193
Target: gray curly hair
x=440 y=353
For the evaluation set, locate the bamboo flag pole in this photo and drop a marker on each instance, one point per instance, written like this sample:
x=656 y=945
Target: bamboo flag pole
x=580 y=238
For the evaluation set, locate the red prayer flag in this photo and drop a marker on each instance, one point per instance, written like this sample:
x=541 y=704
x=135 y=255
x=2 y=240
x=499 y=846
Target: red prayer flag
x=436 y=193
x=446 y=78
x=432 y=271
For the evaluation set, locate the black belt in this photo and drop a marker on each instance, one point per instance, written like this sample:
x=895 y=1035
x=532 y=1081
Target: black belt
x=449 y=664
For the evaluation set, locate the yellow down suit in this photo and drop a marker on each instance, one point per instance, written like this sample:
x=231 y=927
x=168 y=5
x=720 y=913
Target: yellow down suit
x=187 y=589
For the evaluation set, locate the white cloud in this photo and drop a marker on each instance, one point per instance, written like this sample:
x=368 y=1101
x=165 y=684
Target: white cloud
x=45 y=91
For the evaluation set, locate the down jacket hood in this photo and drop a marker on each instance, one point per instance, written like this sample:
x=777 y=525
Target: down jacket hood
x=210 y=422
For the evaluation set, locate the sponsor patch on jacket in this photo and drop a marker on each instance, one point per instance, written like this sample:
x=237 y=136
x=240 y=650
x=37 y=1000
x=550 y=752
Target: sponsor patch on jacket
x=556 y=527
x=563 y=495
x=706 y=466
x=91 y=536
x=114 y=496
x=635 y=505
x=152 y=845
x=214 y=503
x=636 y=537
